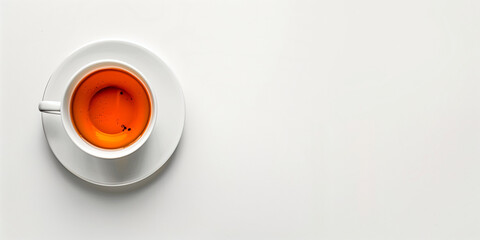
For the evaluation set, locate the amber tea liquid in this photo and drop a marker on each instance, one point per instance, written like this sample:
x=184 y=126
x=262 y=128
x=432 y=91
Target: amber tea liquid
x=110 y=108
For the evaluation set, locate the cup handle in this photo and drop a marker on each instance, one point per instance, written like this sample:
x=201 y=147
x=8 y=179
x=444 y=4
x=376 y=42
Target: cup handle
x=52 y=107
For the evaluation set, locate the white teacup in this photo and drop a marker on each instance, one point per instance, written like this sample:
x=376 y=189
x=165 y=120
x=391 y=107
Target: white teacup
x=62 y=108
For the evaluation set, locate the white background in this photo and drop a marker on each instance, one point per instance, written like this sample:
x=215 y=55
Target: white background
x=305 y=120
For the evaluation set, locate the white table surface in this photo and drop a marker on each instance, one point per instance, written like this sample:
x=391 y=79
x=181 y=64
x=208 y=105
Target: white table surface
x=305 y=120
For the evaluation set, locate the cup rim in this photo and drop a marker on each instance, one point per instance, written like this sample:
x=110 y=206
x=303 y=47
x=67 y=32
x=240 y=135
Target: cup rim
x=82 y=143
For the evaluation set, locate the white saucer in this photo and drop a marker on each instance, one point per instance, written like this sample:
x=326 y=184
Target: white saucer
x=164 y=138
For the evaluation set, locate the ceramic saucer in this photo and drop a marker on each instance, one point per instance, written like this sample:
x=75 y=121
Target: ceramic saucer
x=161 y=143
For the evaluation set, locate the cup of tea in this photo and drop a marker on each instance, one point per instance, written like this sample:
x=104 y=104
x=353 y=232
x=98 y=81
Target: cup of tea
x=108 y=109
